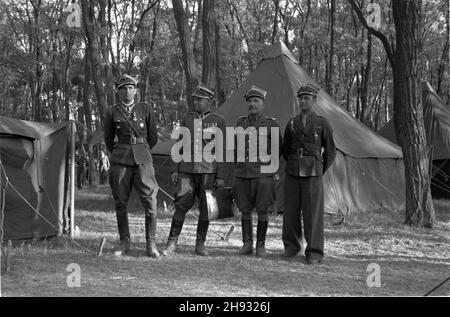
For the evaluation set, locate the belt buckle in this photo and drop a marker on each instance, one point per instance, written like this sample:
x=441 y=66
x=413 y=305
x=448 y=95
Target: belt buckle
x=133 y=140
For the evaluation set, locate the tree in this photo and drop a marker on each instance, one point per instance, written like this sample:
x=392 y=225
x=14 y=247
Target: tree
x=189 y=64
x=405 y=60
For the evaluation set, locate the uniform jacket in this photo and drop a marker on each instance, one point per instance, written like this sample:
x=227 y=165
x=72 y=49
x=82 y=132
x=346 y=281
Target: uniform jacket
x=125 y=146
x=249 y=169
x=302 y=148
x=210 y=122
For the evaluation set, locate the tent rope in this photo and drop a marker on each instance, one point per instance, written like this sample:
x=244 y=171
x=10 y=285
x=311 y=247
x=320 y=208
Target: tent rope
x=3 y=196
x=376 y=180
x=34 y=209
x=438 y=169
x=446 y=188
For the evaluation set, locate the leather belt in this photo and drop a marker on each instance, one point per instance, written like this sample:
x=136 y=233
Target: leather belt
x=132 y=140
x=300 y=152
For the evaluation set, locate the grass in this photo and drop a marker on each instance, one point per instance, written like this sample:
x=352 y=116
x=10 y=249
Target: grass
x=412 y=260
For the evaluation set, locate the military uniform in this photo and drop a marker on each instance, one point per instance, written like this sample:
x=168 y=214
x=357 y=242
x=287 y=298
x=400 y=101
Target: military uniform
x=253 y=189
x=306 y=164
x=130 y=134
x=196 y=177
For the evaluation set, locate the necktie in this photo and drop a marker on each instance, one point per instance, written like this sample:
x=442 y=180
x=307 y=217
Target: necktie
x=304 y=117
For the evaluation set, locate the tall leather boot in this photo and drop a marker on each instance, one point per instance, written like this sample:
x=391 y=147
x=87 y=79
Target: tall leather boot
x=202 y=230
x=150 y=236
x=261 y=238
x=175 y=231
x=247 y=237
x=124 y=233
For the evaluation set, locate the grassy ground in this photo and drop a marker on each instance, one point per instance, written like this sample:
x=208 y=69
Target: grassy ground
x=412 y=261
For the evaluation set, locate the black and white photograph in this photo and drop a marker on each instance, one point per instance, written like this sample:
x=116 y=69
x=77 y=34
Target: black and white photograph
x=225 y=156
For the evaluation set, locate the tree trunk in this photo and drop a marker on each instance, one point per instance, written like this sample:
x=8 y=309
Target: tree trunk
x=186 y=49
x=93 y=55
x=275 y=21
x=408 y=112
x=67 y=82
x=209 y=47
x=365 y=82
x=220 y=93
x=329 y=80
x=37 y=54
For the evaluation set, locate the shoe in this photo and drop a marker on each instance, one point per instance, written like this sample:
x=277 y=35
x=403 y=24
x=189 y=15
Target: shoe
x=260 y=249
x=311 y=261
x=202 y=230
x=200 y=249
x=247 y=237
x=246 y=249
x=170 y=248
x=124 y=248
x=261 y=233
x=152 y=250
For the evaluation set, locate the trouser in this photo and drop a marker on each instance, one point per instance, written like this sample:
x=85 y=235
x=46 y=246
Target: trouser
x=198 y=184
x=304 y=198
x=254 y=193
x=184 y=201
x=142 y=178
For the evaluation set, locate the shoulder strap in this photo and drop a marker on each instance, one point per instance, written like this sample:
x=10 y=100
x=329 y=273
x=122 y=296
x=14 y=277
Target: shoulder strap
x=133 y=128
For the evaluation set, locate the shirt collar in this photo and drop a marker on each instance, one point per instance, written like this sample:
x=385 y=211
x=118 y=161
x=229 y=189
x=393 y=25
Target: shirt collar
x=204 y=115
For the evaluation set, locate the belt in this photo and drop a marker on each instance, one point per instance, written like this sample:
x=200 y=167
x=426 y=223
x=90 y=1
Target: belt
x=300 y=152
x=132 y=140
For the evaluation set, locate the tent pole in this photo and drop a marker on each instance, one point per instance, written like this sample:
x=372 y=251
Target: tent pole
x=72 y=181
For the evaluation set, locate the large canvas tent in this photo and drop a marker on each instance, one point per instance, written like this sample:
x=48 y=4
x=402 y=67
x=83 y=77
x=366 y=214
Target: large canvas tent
x=436 y=115
x=33 y=160
x=368 y=173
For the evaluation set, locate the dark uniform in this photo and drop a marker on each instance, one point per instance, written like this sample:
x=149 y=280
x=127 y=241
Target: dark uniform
x=303 y=190
x=253 y=189
x=196 y=177
x=134 y=128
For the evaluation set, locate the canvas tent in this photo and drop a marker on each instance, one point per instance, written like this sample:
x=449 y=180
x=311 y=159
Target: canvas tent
x=437 y=127
x=33 y=157
x=368 y=172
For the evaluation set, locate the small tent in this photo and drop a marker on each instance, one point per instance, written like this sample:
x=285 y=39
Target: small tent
x=368 y=173
x=33 y=162
x=437 y=127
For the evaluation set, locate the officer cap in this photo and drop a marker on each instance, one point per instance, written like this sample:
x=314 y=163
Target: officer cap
x=201 y=91
x=255 y=92
x=308 y=89
x=126 y=79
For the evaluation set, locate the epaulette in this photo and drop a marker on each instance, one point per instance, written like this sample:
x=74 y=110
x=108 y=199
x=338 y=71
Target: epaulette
x=271 y=118
x=243 y=117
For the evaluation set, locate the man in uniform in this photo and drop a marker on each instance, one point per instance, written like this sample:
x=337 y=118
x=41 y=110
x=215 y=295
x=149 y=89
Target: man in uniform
x=131 y=161
x=304 y=138
x=193 y=178
x=252 y=188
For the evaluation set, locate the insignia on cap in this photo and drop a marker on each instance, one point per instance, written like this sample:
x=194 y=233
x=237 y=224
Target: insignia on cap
x=201 y=91
x=308 y=89
x=255 y=92
x=126 y=79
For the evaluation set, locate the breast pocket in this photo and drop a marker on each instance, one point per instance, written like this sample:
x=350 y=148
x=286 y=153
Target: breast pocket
x=118 y=125
x=141 y=125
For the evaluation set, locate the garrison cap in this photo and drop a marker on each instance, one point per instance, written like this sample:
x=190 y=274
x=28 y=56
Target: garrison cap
x=126 y=79
x=308 y=89
x=255 y=92
x=201 y=91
